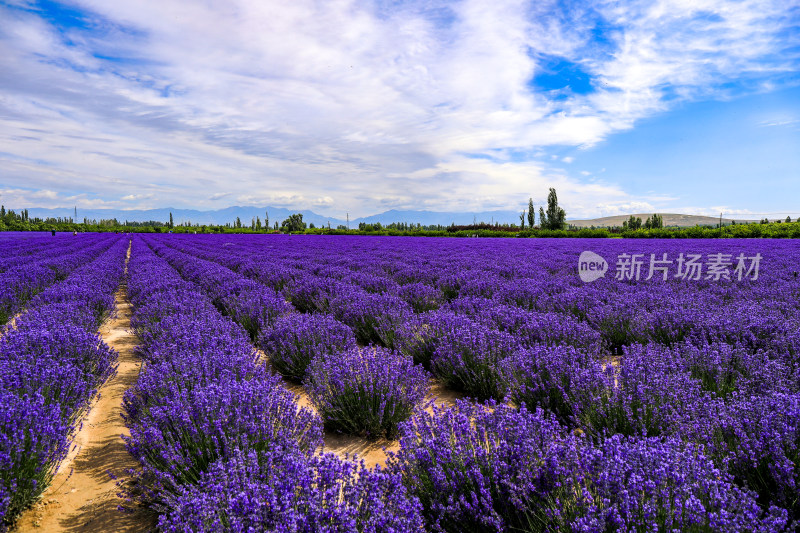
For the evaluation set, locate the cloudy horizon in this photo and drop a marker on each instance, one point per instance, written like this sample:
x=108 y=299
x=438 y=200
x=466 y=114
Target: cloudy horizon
x=361 y=107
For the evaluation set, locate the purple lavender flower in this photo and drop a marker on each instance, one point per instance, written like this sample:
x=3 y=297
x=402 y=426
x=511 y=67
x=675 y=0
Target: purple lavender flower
x=297 y=339
x=420 y=334
x=365 y=391
x=467 y=359
x=663 y=485
x=282 y=490
x=374 y=318
x=758 y=437
x=483 y=467
x=650 y=394
x=309 y=293
x=421 y=297
x=179 y=436
x=557 y=379
x=33 y=441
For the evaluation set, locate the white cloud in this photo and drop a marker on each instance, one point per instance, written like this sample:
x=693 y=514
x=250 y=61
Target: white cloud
x=344 y=105
x=132 y=197
x=624 y=208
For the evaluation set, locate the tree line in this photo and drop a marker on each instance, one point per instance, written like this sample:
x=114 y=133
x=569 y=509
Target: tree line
x=551 y=223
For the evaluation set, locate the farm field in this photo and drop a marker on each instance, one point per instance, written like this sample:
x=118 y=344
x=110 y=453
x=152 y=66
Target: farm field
x=483 y=385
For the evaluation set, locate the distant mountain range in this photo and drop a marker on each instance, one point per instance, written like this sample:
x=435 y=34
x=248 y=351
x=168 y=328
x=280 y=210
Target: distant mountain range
x=426 y=218
x=247 y=213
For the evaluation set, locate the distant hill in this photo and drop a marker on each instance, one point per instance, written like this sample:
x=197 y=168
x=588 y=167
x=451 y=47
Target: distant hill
x=426 y=218
x=218 y=216
x=429 y=218
x=670 y=219
x=246 y=214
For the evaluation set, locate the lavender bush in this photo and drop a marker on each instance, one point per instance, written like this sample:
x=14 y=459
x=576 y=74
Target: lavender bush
x=365 y=391
x=663 y=485
x=282 y=490
x=374 y=318
x=420 y=334
x=557 y=379
x=177 y=439
x=297 y=339
x=758 y=437
x=650 y=394
x=468 y=359
x=254 y=306
x=33 y=441
x=421 y=297
x=484 y=467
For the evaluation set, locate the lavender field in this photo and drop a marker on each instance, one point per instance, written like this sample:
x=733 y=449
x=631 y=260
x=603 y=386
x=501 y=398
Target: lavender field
x=663 y=395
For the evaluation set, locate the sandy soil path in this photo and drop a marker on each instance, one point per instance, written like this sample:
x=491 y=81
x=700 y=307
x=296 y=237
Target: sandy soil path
x=83 y=496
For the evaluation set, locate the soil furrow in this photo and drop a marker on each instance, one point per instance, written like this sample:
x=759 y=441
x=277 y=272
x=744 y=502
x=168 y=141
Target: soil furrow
x=83 y=495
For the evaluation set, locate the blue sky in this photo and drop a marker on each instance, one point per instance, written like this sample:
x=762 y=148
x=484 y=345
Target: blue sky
x=686 y=106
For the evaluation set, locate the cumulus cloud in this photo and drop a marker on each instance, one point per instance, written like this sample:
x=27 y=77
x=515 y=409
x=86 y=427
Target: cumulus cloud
x=132 y=197
x=350 y=105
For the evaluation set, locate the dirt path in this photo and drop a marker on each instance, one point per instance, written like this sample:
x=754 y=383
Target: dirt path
x=82 y=496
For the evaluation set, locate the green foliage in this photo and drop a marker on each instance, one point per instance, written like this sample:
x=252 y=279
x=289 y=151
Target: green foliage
x=633 y=223
x=293 y=224
x=531 y=214
x=21 y=221
x=363 y=226
x=654 y=222
x=555 y=217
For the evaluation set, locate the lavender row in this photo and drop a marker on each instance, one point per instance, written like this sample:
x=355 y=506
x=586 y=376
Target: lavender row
x=18 y=248
x=540 y=281
x=357 y=391
x=51 y=365
x=537 y=298
x=222 y=445
x=29 y=275
x=496 y=468
x=711 y=363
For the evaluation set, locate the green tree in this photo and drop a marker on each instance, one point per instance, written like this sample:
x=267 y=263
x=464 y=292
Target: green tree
x=633 y=223
x=788 y=219
x=171 y=223
x=657 y=221
x=555 y=217
x=531 y=214
x=654 y=222
x=238 y=223
x=266 y=219
x=522 y=220
x=293 y=223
